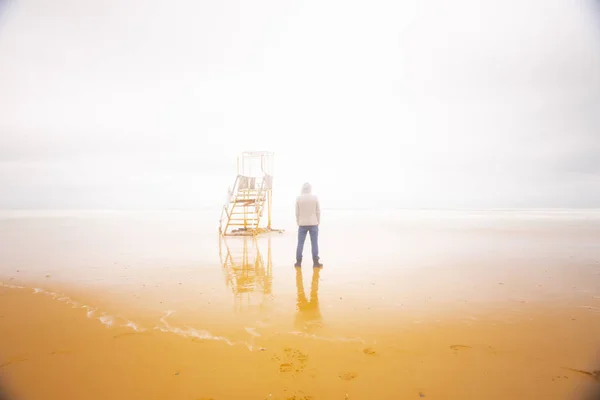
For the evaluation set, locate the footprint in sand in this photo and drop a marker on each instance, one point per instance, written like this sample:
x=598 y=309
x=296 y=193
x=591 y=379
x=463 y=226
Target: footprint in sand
x=13 y=361
x=457 y=347
x=369 y=351
x=348 y=376
x=294 y=360
x=592 y=374
x=285 y=367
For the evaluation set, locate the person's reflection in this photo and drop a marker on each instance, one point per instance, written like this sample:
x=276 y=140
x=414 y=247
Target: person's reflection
x=308 y=314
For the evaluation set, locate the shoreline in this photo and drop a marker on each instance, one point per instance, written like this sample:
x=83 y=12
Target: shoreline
x=292 y=365
x=158 y=307
x=496 y=310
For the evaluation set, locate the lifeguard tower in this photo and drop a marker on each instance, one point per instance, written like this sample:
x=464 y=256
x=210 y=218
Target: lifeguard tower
x=244 y=211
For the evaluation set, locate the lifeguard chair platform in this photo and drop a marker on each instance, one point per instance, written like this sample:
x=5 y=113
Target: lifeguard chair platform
x=251 y=195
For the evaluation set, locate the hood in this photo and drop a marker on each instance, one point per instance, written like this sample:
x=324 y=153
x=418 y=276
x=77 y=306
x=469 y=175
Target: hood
x=306 y=188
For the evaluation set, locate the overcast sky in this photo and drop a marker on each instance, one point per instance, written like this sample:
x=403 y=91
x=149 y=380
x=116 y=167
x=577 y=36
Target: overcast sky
x=399 y=103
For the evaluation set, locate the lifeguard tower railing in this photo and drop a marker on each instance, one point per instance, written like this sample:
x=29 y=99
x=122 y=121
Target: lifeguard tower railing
x=244 y=210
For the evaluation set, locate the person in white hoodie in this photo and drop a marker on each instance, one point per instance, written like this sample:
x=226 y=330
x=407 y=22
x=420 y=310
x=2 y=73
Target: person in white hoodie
x=308 y=218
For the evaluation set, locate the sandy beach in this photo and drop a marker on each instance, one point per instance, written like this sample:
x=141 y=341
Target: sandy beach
x=445 y=153
x=419 y=304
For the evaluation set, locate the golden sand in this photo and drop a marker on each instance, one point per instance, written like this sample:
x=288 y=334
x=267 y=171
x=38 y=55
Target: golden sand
x=141 y=307
x=51 y=349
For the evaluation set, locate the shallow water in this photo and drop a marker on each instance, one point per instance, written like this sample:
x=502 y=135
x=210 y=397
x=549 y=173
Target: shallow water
x=387 y=275
x=428 y=261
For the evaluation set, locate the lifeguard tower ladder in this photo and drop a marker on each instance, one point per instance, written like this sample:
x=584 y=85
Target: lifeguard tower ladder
x=251 y=193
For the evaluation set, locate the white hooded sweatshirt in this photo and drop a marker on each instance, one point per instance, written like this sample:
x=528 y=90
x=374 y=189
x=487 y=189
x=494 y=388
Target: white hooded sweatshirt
x=308 y=210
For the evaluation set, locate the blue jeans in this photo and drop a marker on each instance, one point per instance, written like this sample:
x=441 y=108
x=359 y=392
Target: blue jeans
x=314 y=241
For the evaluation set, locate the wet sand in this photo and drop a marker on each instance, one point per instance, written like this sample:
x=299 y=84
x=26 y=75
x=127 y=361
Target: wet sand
x=443 y=306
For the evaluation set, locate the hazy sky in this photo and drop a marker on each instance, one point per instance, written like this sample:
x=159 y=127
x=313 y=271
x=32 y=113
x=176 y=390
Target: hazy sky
x=400 y=103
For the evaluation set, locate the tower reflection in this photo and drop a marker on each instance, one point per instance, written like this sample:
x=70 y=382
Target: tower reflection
x=246 y=272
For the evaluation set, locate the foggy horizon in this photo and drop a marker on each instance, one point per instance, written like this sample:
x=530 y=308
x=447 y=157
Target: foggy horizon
x=391 y=105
